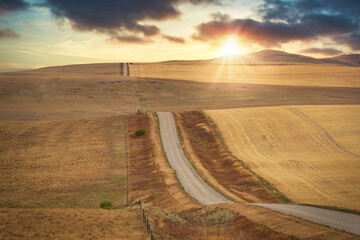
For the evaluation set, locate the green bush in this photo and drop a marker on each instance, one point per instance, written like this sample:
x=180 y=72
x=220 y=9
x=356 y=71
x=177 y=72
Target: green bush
x=139 y=112
x=107 y=205
x=140 y=132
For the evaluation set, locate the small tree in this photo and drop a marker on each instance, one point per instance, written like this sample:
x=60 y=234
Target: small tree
x=140 y=132
x=139 y=112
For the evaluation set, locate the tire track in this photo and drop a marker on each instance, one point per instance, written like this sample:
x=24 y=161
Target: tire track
x=322 y=132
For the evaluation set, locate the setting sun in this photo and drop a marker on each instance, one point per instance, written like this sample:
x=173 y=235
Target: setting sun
x=231 y=47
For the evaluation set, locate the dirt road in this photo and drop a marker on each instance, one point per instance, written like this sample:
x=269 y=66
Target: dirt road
x=339 y=220
x=189 y=179
x=124 y=69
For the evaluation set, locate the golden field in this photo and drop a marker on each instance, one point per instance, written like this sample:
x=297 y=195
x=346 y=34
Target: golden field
x=291 y=74
x=310 y=153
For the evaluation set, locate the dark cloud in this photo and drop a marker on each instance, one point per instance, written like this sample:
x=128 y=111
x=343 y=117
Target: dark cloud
x=4 y=21
x=283 y=21
x=269 y=33
x=295 y=12
x=8 y=33
x=352 y=40
x=324 y=51
x=179 y=40
x=12 y=5
x=122 y=17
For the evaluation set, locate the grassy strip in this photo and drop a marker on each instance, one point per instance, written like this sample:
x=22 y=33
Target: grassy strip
x=333 y=208
x=267 y=184
x=196 y=170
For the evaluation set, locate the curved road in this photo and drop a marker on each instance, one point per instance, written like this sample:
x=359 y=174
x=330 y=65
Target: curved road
x=339 y=220
x=198 y=189
x=189 y=179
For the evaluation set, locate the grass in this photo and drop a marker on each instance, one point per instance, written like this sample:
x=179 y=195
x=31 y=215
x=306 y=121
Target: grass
x=209 y=222
x=41 y=161
x=107 y=205
x=71 y=224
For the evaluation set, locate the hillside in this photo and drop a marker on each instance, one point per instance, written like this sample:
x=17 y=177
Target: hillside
x=350 y=59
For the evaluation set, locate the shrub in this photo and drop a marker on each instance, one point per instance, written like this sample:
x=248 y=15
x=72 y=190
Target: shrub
x=261 y=227
x=139 y=112
x=140 y=132
x=107 y=205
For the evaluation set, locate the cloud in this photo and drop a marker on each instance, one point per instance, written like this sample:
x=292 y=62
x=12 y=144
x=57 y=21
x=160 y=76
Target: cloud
x=119 y=19
x=4 y=22
x=179 y=40
x=294 y=11
x=12 y=5
x=323 y=51
x=274 y=33
x=352 y=40
x=8 y=33
x=283 y=21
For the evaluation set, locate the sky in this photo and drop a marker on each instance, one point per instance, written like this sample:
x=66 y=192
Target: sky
x=39 y=33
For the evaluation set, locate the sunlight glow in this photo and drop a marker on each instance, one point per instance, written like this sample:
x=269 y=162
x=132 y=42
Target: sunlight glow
x=231 y=47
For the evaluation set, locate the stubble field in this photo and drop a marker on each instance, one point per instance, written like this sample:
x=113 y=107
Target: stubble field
x=310 y=153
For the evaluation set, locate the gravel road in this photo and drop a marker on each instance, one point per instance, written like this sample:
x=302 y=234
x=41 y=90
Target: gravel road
x=188 y=177
x=339 y=220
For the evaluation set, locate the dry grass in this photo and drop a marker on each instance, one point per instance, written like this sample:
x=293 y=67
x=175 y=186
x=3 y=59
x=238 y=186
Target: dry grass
x=293 y=74
x=99 y=90
x=70 y=224
x=54 y=94
x=69 y=163
x=211 y=222
x=151 y=178
x=310 y=153
x=224 y=172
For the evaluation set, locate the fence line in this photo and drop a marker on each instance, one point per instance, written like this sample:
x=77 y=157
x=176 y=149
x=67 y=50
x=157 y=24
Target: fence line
x=145 y=220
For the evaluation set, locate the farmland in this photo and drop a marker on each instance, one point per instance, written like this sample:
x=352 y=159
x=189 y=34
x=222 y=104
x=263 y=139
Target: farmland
x=65 y=163
x=273 y=73
x=90 y=90
x=66 y=132
x=310 y=153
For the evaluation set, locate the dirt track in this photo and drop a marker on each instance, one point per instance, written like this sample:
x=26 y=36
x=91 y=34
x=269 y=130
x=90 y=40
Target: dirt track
x=189 y=179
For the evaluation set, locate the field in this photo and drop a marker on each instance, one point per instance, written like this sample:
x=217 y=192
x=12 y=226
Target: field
x=90 y=90
x=70 y=224
x=290 y=74
x=63 y=94
x=63 y=164
x=66 y=132
x=310 y=153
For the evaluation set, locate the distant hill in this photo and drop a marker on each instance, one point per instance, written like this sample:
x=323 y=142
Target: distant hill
x=280 y=56
x=350 y=59
x=270 y=56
